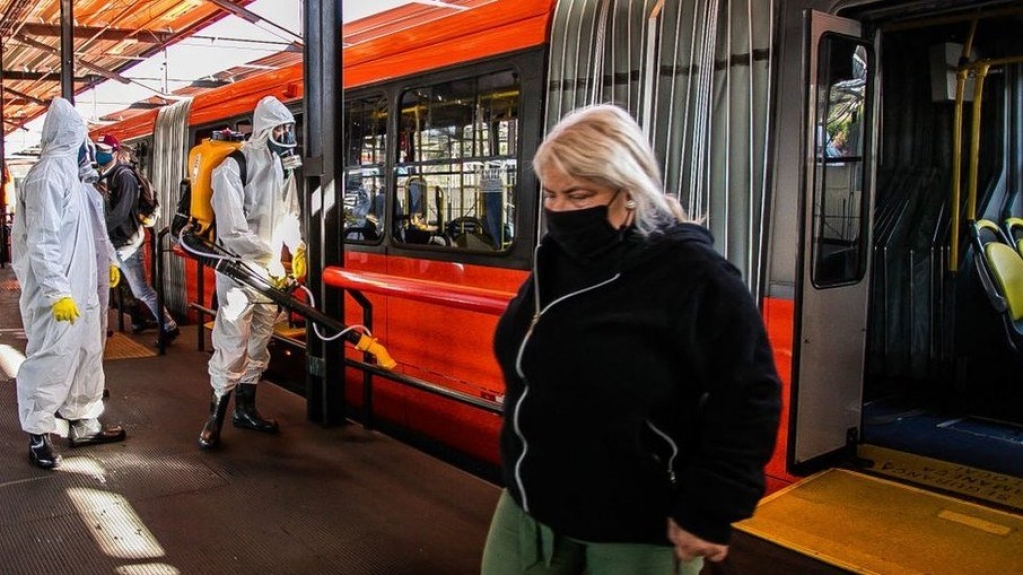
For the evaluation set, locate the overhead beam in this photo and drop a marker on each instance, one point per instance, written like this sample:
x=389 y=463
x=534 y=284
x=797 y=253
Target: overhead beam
x=243 y=13
x=113 y=34
x=20 y=75
x=26 y=97
x=110 y=74
x=13 y=16
x=251 y=17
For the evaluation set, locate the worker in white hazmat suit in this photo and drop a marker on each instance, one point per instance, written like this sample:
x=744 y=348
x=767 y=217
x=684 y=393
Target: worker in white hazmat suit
x=54 y=258
x=254 y=219
x=108 y=270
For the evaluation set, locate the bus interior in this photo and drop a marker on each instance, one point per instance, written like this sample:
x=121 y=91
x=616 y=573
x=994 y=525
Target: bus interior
x=944 y=360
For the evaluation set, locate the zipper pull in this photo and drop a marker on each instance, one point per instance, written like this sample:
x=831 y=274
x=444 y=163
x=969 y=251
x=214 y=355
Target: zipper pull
x=532 y=324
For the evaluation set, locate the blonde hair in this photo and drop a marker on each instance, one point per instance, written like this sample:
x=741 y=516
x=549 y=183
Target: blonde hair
x=604 y=145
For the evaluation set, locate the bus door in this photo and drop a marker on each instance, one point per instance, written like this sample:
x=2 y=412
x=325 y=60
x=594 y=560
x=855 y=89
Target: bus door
x=837 y=195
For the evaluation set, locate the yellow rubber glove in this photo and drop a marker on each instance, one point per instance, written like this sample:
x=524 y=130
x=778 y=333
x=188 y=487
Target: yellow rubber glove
x=298 y=263
x=278 y=277
x=65 y=310
x=115 y=276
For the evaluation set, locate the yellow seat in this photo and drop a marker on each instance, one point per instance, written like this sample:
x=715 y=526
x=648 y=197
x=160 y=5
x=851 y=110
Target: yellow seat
x=1007 y=268
x=1001 y=274
x=1014 y=231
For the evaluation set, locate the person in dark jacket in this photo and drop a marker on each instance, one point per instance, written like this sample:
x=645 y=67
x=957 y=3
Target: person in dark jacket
x=642 y=401
x=127 y=233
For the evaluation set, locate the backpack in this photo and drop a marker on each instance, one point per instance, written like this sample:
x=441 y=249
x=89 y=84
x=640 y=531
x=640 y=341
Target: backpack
x=148 y=206
x=194 y=207
x=239 y=157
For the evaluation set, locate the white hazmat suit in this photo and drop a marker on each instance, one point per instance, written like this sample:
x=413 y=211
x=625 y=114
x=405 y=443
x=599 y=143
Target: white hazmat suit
x=54 y=256
x=106 y=255
x=254 y=219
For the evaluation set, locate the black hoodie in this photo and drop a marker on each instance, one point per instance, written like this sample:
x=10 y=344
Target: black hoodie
x=122 y=204
x=648 y=391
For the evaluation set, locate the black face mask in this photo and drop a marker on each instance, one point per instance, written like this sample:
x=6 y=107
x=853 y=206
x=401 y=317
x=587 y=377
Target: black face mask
x=582 y=233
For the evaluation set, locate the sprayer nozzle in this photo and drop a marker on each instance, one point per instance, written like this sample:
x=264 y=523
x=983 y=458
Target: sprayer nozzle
x=373 y=347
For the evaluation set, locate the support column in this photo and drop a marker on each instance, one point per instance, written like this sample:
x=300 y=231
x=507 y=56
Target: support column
x=325 y=385
x=5 y=255
x=67 y=51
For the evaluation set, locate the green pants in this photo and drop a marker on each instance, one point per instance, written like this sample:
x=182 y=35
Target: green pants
x=519 y=545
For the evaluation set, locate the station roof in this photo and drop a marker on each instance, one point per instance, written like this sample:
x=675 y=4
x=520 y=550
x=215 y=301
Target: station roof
x=112 y=36
x=109 y=35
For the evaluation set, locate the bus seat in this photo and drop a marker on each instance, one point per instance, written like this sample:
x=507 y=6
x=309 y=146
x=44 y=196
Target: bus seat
x=1007 y=267
x=413 y=226
x=1000 y=269
x=1014 y=230
x=470 y=232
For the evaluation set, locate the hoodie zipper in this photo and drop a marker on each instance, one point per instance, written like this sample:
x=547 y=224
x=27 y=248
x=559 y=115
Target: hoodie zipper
x=674 y=450
x=518 y=366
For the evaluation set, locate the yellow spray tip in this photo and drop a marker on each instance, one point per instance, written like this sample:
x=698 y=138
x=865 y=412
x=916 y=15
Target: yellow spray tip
x=373 y=347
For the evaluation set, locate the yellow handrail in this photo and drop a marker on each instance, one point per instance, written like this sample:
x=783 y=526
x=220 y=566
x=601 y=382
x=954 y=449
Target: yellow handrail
x=979 y=71
x=957 y=146
x=978 y=102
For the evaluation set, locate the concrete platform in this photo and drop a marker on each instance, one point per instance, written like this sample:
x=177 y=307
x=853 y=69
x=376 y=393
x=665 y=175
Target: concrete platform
x=309 y=500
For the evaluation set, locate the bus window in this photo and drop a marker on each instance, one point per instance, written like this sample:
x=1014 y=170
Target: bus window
x=244 y=126
x=456 y=167
x=840 y=195
x=365 y=135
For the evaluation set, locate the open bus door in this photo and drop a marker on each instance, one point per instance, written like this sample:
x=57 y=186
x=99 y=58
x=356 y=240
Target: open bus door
x=835 y=242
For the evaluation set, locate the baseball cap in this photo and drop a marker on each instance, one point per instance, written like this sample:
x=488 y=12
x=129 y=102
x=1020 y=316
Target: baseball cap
x=108 y=142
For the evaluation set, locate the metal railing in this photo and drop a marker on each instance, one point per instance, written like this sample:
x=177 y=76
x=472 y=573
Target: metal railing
x=358 y=283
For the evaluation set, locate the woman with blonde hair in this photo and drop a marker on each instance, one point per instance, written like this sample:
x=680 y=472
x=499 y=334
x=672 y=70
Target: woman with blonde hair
x=642 y=401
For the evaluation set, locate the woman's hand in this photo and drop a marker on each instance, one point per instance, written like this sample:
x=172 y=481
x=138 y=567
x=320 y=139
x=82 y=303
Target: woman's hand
x=689 y=546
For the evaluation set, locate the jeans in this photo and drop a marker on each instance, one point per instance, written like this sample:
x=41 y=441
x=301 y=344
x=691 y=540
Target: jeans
x=519 y=545
x=134 y=272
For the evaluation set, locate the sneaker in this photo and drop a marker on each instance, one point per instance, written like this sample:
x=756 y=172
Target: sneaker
x=169 y=336
x=137 y=328
x=91 y=432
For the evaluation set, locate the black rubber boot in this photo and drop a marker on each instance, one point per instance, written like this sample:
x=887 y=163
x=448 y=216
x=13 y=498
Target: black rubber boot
x=245 y=414
x=209 y=438
x=41 y=453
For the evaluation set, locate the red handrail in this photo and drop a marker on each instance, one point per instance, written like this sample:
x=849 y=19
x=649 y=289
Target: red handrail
x=461 y=297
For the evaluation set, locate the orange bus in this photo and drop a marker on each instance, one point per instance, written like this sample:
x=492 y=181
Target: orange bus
x=855 y=160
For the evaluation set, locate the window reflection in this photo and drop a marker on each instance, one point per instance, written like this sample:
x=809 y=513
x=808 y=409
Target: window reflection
x=365 y=135
x=840 y=199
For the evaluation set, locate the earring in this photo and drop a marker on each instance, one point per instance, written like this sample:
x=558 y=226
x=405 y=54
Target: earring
x=630 y=204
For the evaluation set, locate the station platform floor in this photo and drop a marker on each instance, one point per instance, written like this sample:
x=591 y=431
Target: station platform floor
x=310 y=500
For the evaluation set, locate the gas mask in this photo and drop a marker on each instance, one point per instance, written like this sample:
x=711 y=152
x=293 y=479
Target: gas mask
x=282 y=142
x=87 y=172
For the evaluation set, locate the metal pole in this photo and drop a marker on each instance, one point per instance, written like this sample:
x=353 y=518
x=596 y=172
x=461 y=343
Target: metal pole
x=4 y=256
x=325 y=394
x=67 y=51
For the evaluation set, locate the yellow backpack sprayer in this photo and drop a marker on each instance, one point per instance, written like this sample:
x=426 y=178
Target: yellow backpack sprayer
x=194 y=228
